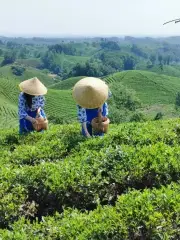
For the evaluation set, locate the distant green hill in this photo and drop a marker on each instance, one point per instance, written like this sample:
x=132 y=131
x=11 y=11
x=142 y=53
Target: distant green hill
x=29 y=73
x=151 y=88
x=67 y=83
x=170 y=70
x=8 y=102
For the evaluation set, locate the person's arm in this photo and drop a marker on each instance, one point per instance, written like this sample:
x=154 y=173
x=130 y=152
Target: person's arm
x=38 y=103
x=85 y=129
x=82 y=119
x=105 y=109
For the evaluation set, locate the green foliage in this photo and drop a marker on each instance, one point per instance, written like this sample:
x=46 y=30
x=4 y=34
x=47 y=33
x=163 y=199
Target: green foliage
x=138 y=117
x=68 y=48
x=93 y=68
x=122 y=103
x=40 y=179
x=48 y=61
x=123 y=97
x=109 y=45
x=158 y=116
x=177 y=103
x=147 y=215
x=150 y=88
x=17 y=70
x=9 y=58
x=66 y=84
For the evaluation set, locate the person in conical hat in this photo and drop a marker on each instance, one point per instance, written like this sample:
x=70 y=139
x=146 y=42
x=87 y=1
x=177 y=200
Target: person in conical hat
x=90 y=94
x=31 y=103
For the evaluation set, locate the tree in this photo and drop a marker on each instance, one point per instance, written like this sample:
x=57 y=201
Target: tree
x=49 y=62
x=149 y=64
x=9 y=58
x=152 y=59
x=110 y=45
x=17 y=70
x=160 y=58
x=123 y=97
x=23 y=52
x=177 y=101
x=158 y=116
x=138 y=117
x=66 y=48
x=1 y=52
x=138 y=51
x=129 y=62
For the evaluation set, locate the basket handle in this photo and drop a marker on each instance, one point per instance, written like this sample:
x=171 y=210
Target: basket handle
x=100 y=119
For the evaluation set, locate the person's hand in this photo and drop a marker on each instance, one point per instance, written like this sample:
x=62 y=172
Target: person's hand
x=88 y=135
x=33 y=121
x=35 y=124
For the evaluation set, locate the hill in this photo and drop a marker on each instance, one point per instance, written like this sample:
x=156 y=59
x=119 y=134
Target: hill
x=28 y=73
x=58 y=185
x=66 y=84
x=151 y=88
x=170 y=70
x=8 y=100
x=156 y=92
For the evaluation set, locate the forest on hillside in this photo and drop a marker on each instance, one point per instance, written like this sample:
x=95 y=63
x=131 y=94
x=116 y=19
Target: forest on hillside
x=98 y=57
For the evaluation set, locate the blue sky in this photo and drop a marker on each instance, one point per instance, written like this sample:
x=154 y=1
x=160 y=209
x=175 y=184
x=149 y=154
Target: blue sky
x=88 y=17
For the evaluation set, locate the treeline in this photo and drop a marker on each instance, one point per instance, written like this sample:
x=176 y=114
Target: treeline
x=103 y=56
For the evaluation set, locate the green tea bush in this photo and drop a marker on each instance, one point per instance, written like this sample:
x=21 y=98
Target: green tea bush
x=151 y=214
x=49 y=172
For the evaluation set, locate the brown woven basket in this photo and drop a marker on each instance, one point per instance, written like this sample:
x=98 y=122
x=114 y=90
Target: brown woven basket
x=42 y=124
x=100 y=124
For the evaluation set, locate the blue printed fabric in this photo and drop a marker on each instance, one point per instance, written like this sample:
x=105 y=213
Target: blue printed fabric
x=37 y=102
x=86 y=115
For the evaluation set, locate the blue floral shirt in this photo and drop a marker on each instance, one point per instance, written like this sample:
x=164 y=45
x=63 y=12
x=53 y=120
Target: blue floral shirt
x=37 y=101
x=82 y=116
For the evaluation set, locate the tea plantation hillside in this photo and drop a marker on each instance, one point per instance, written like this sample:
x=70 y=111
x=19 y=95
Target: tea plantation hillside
x=150 y=87
x=173 y=71
x=66 y=84
x=59 y=185
x=157 y=93
x=29 y=72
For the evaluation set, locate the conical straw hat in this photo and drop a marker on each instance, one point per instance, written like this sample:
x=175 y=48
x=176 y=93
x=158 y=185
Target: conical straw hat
x=90 y=92
x=33 y=87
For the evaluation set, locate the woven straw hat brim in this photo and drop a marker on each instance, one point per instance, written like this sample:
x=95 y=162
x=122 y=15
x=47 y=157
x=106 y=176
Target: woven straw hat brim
x=90 y=92
x=33 y=87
